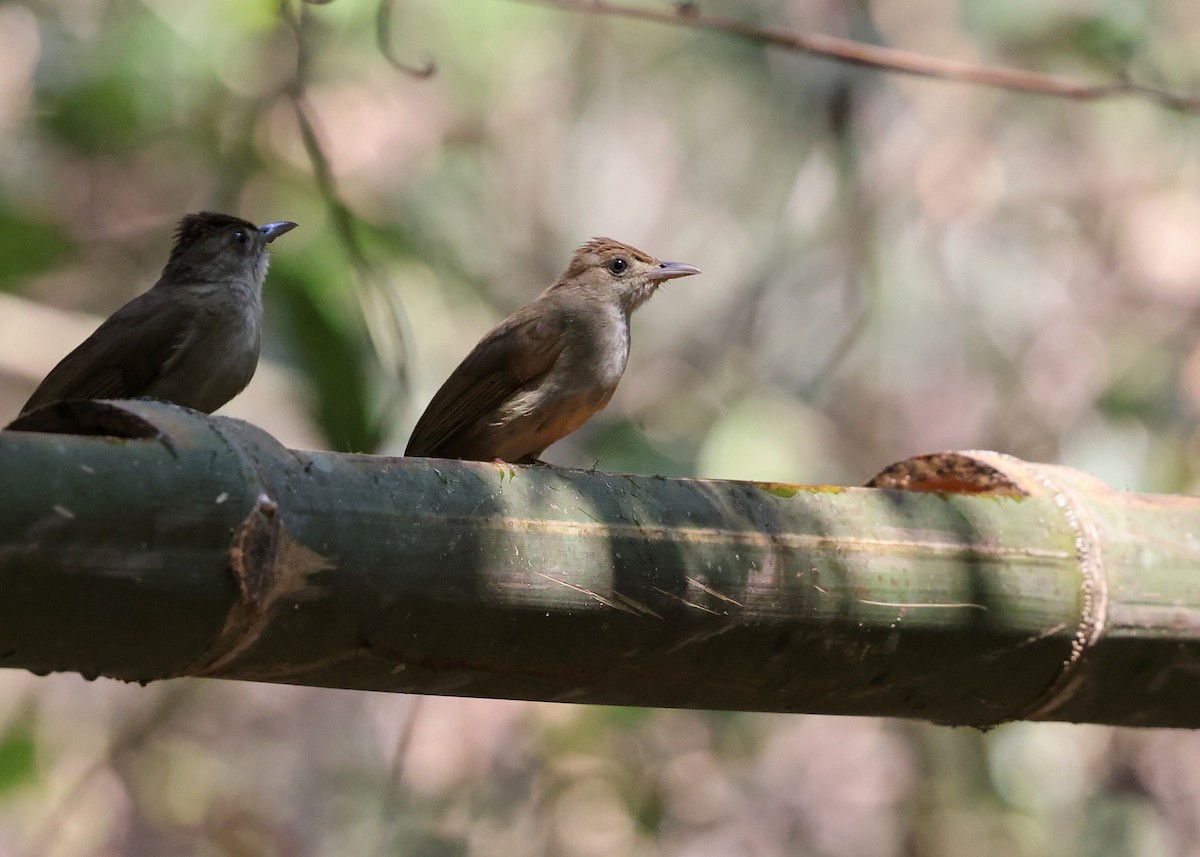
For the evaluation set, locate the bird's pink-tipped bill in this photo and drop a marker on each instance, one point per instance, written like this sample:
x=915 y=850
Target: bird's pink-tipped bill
x=671 y=270
x=274 y=230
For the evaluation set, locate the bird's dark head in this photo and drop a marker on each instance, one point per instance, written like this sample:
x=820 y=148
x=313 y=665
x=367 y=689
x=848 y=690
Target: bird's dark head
x=218 y=247
x=607 y=267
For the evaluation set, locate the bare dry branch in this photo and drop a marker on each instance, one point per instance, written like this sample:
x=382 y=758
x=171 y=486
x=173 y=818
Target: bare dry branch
x=887 y=59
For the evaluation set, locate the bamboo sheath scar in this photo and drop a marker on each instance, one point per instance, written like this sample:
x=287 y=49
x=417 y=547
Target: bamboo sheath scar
x=144 y=541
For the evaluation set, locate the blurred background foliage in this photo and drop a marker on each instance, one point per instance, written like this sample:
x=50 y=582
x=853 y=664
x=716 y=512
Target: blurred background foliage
x=891 y=266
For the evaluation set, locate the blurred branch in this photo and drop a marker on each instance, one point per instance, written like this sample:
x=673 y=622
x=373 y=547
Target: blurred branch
x=842 y=349
x=887 y=59
x=393 y=787
x=1022 y=424
x=378 y=301
x=130 y=737
x=383 y=35
x=859 y=239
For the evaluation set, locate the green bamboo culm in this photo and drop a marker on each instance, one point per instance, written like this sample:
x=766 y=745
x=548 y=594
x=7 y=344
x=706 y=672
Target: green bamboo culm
x=143 y=541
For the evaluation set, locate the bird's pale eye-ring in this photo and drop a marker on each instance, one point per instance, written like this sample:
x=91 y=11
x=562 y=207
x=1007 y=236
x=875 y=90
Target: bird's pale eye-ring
x=241 y=237
x=618 y=265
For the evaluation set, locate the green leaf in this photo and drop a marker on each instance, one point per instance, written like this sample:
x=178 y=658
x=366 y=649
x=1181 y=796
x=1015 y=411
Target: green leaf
x=27 y=247
x=97 y=116
x=621 y=447
x=334 y=355
x=18 y=755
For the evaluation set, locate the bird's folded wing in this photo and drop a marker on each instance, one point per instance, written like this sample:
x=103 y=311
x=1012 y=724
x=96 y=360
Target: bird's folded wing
x=507 y=359
x=124 y=356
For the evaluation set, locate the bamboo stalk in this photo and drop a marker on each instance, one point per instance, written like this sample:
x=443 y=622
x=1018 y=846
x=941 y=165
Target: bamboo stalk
x=143 y=541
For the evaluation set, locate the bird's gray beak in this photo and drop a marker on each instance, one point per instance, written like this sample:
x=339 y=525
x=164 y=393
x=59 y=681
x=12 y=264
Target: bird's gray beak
x=274 y=230
x=671 y=270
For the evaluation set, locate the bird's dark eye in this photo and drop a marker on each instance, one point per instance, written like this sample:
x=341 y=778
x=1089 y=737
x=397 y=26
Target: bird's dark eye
x=618 y=266
x=241 y=237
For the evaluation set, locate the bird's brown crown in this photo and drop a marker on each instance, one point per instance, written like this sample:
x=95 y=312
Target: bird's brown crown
x=597 y=250
x=601 y=246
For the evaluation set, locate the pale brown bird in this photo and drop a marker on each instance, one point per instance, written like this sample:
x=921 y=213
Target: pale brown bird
x=193 y=338
x=547 y=368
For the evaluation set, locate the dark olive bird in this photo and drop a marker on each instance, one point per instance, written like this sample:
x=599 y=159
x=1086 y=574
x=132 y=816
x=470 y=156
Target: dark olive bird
x=547 y=368
x=193 y=338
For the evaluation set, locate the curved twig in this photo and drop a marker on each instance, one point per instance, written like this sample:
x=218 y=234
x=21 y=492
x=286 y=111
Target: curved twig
x=383 y=36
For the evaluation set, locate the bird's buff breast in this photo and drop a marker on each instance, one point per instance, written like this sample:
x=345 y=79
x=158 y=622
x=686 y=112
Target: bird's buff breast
x=539 y=417
x=581 y=383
